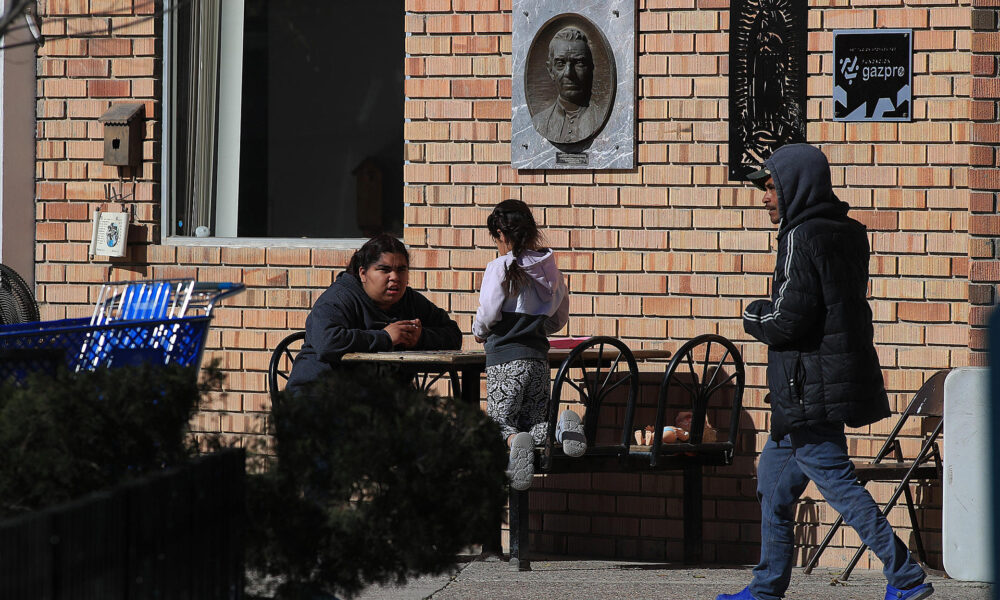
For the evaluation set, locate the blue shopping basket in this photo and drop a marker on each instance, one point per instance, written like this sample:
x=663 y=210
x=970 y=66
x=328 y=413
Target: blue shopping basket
x=151 y=325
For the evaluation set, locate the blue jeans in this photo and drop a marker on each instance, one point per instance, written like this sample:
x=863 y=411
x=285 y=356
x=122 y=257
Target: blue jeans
x=819 y=454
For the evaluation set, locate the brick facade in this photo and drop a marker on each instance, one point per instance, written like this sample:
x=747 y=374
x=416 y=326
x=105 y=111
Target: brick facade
x=654 y=255
x=984 y=175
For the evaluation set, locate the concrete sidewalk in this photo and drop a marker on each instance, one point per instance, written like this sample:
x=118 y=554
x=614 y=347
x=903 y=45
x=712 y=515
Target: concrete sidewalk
x=569 y=579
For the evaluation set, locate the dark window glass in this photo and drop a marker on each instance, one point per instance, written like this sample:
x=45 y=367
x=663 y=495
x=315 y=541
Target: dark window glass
x=321 y=134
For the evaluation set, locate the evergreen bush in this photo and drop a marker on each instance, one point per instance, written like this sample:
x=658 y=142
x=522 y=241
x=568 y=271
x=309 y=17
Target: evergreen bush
x=63 y=436
x=375 y=481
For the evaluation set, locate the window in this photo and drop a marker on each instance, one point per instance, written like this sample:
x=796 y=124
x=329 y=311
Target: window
x=285 y=119
x=17 y=134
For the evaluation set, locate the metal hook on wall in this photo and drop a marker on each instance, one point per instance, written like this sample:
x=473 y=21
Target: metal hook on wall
x=118 y=196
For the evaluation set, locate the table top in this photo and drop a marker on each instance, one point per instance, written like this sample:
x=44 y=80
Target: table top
x=478 y=356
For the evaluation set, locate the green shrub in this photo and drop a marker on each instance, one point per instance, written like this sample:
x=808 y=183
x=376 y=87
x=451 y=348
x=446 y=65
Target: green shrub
x=70 y=434
x=375 y=481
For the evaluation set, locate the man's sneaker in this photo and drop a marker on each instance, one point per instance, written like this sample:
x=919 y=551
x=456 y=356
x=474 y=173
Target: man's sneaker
x=743 y=594
x=915 y=593
x=569 y=431
x=521 y=466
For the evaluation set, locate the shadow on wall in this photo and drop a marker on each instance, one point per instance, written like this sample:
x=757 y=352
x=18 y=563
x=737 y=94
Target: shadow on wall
x=814 y=515
x=638 y=516
x=814 y=518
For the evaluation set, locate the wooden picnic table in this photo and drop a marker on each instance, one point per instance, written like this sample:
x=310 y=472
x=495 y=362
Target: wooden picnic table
x=467 y=366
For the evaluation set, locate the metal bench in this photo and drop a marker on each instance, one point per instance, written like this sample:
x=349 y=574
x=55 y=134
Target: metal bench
x=708 y=370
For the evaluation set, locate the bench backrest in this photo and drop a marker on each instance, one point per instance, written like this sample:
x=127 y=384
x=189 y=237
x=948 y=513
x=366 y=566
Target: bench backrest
x=709 y=370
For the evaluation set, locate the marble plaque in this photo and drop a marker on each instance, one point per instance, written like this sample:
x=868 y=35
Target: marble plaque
x=573 y=104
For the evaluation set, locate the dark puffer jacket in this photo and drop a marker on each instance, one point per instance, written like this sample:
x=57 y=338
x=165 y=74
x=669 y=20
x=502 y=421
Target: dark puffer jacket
x=822 y=366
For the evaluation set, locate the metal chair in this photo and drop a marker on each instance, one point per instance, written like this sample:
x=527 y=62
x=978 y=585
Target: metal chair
x=928 y=404
x=281 y=363
x=594 y=378
x=607 y=366
x=284 y=354
x=709 y=370
x=17 y=303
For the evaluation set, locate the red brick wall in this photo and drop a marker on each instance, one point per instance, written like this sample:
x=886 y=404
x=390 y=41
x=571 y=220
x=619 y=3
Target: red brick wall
x=984 y=175
x=654 y=255
x=671 y=249
x=640 y=515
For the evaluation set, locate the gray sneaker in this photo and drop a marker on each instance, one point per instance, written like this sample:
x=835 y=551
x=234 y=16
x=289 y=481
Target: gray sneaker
x=569 y=431
x=521 y=466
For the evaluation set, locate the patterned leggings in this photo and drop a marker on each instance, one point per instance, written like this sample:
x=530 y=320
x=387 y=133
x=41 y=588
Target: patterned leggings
x=517 y=397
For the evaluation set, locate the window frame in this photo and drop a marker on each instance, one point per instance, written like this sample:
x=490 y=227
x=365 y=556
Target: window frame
x=17 y=165
x=168 y=145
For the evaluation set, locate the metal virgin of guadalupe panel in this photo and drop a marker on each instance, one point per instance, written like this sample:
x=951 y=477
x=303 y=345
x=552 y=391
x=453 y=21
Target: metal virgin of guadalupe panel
x=767 y=80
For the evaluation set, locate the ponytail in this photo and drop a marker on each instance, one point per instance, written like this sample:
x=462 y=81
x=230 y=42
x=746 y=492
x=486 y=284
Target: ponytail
x=514 y=220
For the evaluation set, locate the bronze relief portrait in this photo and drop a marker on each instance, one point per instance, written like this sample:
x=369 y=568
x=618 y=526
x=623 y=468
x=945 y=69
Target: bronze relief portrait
x=569 y=80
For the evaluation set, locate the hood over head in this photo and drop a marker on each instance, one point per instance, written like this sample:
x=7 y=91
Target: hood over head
x=801 y=175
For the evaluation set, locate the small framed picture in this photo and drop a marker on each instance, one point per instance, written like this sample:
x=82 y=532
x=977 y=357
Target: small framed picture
x=110 y=234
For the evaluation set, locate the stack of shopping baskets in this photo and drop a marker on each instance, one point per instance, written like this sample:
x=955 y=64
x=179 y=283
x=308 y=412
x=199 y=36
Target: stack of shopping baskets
x=157 y=321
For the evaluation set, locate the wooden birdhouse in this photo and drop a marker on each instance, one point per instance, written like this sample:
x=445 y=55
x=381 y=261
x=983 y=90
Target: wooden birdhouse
x=123 y=125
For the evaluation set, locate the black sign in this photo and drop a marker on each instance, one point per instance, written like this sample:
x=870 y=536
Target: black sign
x=873 y=75
x=767 y=80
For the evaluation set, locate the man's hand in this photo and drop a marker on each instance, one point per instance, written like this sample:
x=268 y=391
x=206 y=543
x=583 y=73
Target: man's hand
x=405 y=333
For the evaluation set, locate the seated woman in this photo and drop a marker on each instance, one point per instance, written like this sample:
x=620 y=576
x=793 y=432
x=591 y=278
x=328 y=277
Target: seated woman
x=370 y=309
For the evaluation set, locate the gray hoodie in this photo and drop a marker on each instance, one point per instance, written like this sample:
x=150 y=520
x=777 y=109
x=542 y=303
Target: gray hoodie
x=516 y=327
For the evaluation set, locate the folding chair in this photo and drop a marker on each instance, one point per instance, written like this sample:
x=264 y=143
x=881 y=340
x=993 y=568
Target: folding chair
x=927 y=403
x=151 y=300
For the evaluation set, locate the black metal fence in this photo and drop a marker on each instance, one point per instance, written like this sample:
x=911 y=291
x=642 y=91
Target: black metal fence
x=176 y=534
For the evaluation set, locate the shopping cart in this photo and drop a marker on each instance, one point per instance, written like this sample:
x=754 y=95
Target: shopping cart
x=157 y=321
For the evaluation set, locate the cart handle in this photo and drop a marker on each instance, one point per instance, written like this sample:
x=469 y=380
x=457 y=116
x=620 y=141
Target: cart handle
x=218 y=290
x=224 y=288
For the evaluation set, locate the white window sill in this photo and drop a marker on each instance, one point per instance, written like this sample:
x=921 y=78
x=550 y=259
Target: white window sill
x=236 y=242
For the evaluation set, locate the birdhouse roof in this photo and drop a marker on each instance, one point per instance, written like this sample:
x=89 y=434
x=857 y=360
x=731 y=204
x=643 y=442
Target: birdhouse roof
x=121 y=114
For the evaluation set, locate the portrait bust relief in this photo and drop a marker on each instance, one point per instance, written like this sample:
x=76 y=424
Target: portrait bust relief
x=573 y=84
x=569 y=80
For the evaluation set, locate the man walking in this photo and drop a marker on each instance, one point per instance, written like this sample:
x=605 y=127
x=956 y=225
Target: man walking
x=822 y=371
